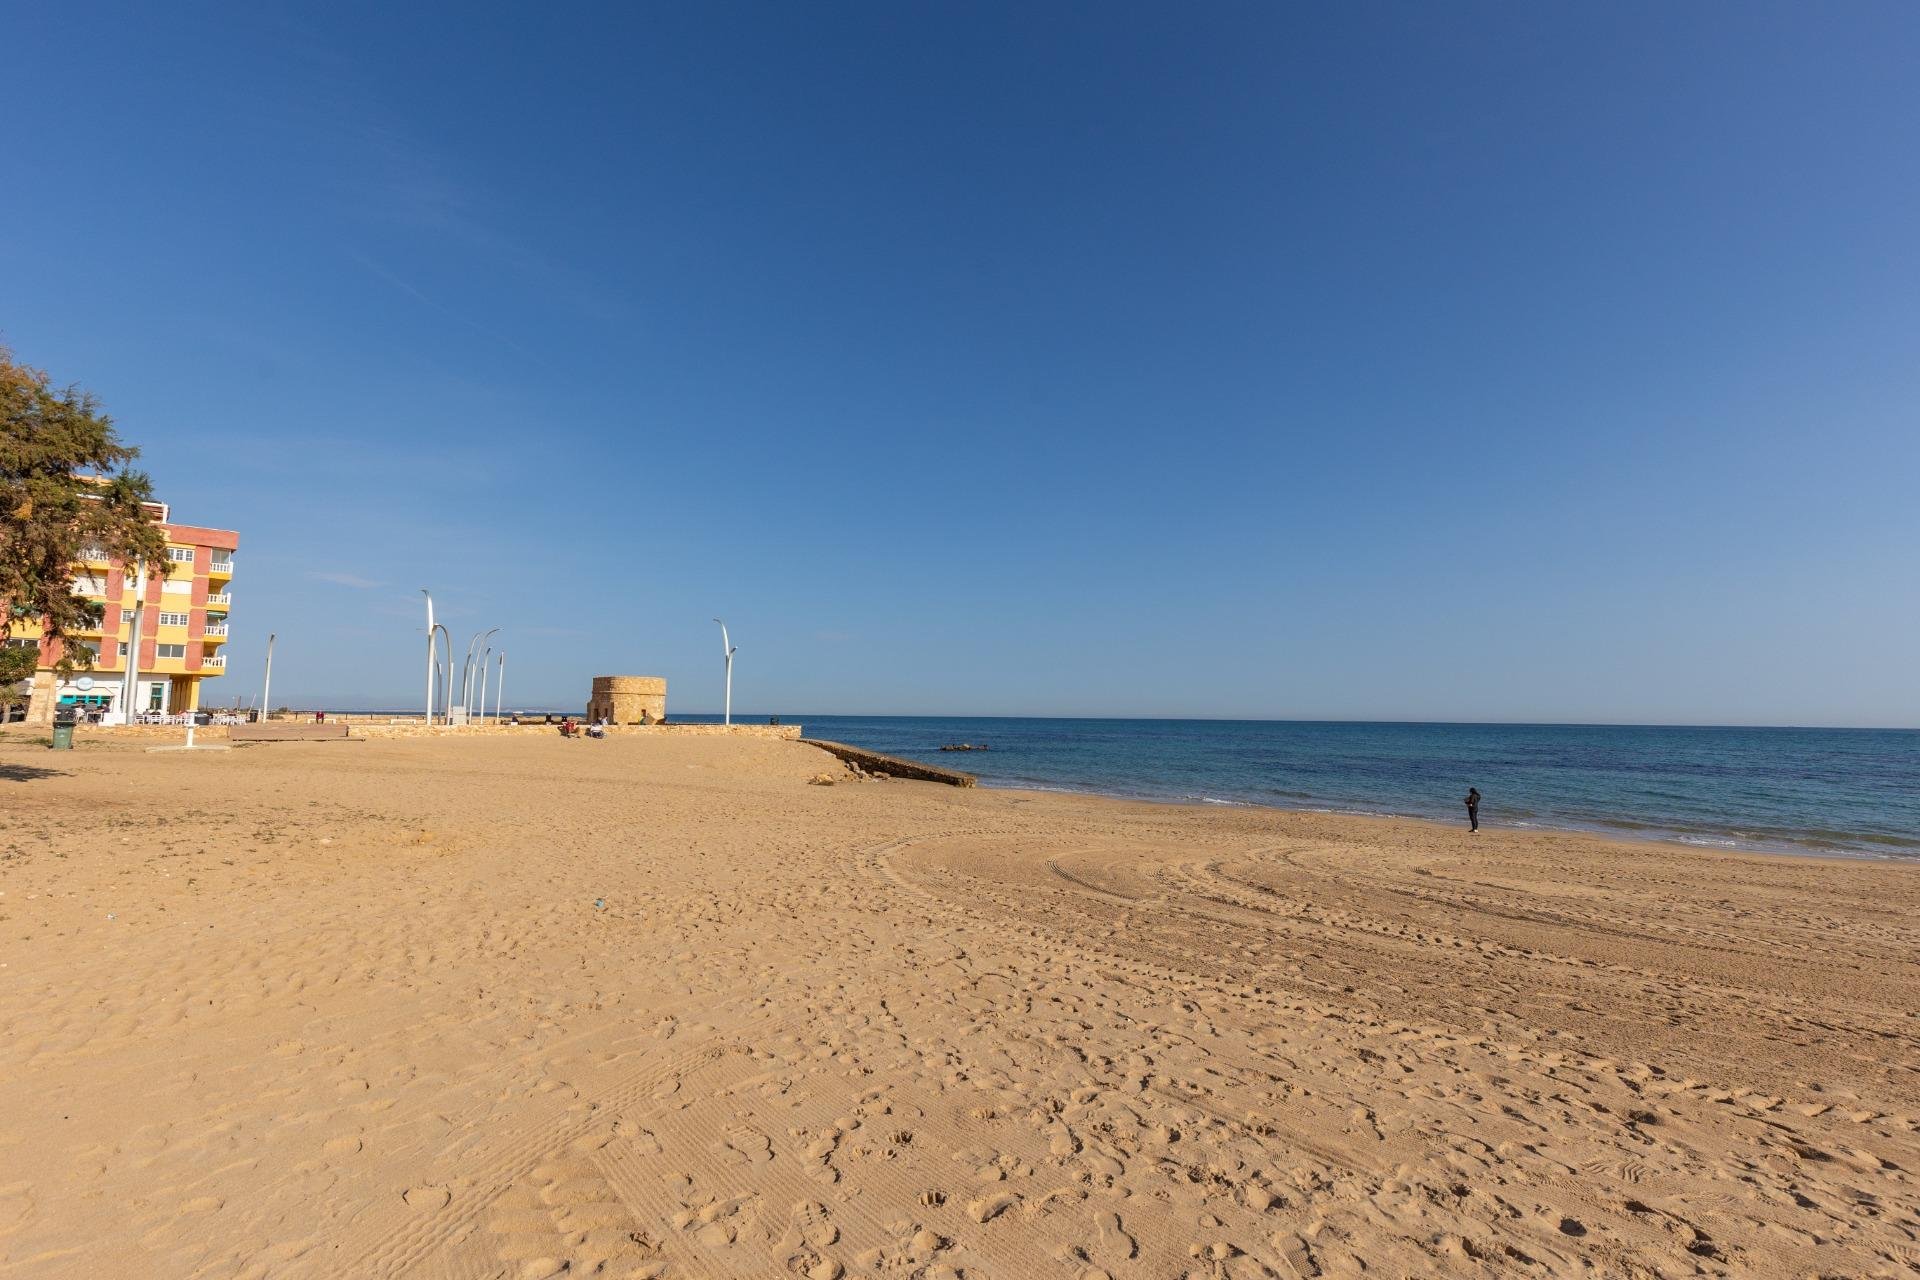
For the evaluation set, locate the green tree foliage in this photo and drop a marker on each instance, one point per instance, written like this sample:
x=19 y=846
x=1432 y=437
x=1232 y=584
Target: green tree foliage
x=15 y=665
x=64 y=485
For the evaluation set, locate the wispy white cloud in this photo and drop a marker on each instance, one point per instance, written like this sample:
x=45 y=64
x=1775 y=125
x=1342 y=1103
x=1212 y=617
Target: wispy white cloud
x=353 y=580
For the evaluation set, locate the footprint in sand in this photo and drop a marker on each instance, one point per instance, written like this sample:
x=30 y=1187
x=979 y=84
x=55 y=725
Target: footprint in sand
x=1112 y=1245
x=747 y=1145
x=810 y=1224
x=426 y=1199
x=987 y=1208
x=819 y=1156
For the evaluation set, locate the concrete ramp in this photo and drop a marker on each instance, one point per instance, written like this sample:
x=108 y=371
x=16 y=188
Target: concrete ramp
x=268 y=731
x=893 y=766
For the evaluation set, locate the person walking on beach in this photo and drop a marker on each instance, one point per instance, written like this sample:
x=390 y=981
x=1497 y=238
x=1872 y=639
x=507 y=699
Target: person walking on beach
x=1473 y=808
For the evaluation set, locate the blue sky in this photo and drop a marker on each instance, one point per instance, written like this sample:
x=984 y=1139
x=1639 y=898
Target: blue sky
x=1373 y=361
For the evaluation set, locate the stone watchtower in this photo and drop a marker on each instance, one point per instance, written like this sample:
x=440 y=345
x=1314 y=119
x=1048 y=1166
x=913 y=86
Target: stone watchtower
x=628 y=699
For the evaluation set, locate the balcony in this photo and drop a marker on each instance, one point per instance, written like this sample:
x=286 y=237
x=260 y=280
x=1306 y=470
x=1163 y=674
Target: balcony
x=213 y=660
x=220 y=569
x=215 y=631
x=221 y=600
x=93 y=555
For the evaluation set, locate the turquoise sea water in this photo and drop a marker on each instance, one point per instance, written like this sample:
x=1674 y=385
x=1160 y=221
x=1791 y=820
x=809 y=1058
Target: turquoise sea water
x=1832 y=790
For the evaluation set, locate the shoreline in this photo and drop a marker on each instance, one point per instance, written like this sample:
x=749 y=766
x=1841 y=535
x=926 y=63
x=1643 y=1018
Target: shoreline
x=1824 y=793
x=1624 y=835
x=1710 y=840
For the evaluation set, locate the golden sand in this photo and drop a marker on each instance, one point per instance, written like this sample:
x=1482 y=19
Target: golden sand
x=658 y=1007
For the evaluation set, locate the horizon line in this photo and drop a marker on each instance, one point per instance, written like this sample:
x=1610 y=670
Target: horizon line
x=1205 y=719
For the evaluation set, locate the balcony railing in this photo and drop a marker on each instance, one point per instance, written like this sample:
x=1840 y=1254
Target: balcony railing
x=214 y=660
x=217 y=629
x=221 y=566
x=93 y=555
x=220 y=600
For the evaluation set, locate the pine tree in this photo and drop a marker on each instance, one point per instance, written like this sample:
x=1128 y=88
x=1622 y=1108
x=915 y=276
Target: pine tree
x=64 y=485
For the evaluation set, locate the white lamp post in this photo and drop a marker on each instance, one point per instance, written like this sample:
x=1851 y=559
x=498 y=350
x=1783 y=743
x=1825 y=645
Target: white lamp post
x=130 y=682
x=728 y=649
x=446 y=671
x=466 y=680
x=466 y=672
x=266 y=686
x=429 y=596
x=481 y=683
x=499 y=682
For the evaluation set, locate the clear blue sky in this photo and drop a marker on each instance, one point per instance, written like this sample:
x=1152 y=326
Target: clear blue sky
x=1372 y=361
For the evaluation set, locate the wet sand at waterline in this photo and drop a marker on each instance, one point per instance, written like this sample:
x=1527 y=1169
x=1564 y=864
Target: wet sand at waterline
x=659 y=1007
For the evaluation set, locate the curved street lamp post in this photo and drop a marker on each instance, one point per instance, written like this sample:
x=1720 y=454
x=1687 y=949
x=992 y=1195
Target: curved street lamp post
x=466 y=673
x=430 y=663
x=727 y=648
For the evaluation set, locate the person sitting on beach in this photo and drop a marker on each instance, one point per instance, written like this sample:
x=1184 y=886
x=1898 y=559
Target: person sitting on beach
x=1473 y=808
x=598 y=729
x=568 y=728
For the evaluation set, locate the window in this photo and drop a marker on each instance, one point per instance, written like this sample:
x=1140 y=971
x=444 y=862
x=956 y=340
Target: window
x=123 y=648
x=170 y=651
x=126 y=616
x=22 y=644
x=173 y=619
x=180 y=555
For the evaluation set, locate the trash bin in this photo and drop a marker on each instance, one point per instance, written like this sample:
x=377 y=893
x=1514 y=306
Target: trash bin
x=63 y=729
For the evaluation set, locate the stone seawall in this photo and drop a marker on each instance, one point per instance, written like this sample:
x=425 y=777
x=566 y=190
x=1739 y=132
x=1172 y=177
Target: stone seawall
x=383 y=729
x=781 y=732
x=893 y=766
x=155 y=733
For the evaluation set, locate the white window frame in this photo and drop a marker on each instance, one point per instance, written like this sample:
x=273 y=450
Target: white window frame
x=160 y=651
x=180 y=555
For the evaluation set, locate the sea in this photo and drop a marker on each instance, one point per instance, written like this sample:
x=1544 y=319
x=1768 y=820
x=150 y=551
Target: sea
x=1836 y=791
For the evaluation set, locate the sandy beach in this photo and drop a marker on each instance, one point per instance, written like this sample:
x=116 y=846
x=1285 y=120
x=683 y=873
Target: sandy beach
x=520 y=1007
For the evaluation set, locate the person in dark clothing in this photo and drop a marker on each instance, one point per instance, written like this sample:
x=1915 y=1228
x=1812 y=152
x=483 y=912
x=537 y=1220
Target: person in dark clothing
x=1473 y=808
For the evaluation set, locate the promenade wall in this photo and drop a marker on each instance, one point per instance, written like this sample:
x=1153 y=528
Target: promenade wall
x=381 y=728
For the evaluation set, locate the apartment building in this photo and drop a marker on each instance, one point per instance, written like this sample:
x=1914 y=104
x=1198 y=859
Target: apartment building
x=183 y=607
